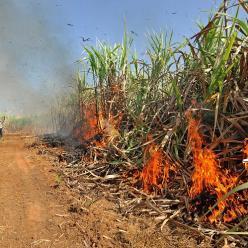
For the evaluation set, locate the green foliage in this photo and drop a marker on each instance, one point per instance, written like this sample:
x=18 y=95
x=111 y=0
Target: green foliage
x=33 y=123
x=18 y=123
x=207 y=73
x=205 y=67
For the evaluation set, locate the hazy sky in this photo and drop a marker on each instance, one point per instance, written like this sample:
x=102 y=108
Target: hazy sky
x=41 y=39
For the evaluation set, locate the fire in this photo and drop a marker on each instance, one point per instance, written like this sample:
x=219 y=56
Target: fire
x=155 y=173
x=96 y=129
x=207 y=175
x=245 y=152
x=91 y=126
x=89 y=129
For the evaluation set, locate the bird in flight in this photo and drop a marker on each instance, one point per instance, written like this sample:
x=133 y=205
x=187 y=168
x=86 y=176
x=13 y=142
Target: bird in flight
x=69 y=24
x=134 y=33
x=85 y=39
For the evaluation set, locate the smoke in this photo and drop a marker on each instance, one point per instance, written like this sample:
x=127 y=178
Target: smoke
x=35 y=63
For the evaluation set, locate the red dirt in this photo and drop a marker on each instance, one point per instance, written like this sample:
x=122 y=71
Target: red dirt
x=35 y=214
x=29 y=210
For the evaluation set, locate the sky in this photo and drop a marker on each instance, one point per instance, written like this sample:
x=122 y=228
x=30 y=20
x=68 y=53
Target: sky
x=40 y=40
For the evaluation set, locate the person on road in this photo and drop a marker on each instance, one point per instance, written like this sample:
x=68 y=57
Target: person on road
x=1 y=126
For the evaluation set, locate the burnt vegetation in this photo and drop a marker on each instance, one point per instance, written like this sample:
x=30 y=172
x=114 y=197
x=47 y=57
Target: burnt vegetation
x=167 y=134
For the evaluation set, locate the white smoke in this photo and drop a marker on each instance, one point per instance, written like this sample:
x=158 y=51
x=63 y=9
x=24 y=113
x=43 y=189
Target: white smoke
x=34 y=63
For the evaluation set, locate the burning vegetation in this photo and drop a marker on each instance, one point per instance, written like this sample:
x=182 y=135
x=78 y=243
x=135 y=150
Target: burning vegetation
x=96 y=129
x=245 y=151
x=210 y=177
x=156 y=170
x=200 y=159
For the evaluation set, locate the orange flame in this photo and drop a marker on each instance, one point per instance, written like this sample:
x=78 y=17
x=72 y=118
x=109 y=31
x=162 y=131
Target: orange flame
x=96 y=129
x=208 y=176
x=245 y=152
x=155 y=173
x=90 y=128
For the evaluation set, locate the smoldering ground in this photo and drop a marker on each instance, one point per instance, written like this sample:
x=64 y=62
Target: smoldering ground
x=35 y=64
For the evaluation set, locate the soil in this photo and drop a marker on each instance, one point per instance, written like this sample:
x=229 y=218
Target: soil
x=38 y=211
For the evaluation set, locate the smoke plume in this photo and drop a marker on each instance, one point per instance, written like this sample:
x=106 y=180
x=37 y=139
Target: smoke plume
x=35 y=63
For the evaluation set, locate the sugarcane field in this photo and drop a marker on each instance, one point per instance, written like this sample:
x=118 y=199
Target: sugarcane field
x=124 y=124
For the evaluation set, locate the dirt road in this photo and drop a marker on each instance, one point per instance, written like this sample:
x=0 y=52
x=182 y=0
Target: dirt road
x=35 y=214
x=30 y=214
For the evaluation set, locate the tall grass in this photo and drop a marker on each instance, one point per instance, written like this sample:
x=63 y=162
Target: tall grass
x=207 y=73
x=153 y=93
x=26 y=124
